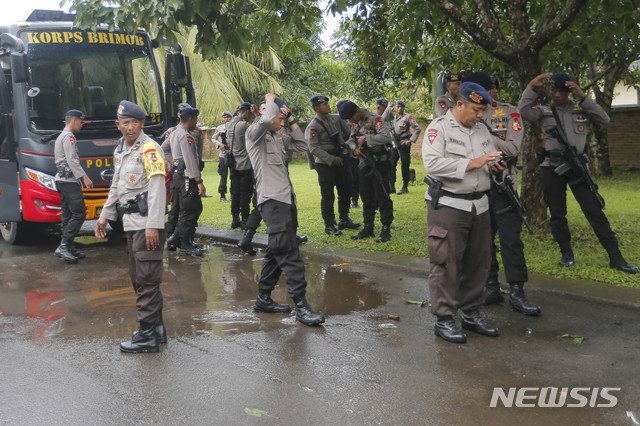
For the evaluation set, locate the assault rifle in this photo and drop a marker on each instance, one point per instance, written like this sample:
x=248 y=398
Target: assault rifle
x=368 y=167
x=506 y=188
x=576 y=162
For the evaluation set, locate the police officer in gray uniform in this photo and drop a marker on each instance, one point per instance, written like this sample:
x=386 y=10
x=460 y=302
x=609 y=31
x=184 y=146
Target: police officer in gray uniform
x=240 y=170
x=447 y=101
x=70 y=178
x=460 y=154
x=574 y=116
x=138 y=193
x=219 y=139
x=505 y=125
x=187 y=180
x=404 y=137
x=326 y=135
x=277 y=205
x=370 y=141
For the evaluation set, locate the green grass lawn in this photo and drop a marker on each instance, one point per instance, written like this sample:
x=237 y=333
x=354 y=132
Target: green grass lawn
x=621 y=192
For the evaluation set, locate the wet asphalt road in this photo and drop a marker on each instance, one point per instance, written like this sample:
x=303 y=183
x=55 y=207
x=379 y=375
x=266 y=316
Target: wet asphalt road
x=61 y=325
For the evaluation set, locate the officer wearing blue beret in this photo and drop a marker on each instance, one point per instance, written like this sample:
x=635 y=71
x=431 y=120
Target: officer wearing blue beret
x=406 y=131
x=574 y=116
x=138 y=194
x=370 y=142
x=70 y=178
x=459 y=153
x=326 y=135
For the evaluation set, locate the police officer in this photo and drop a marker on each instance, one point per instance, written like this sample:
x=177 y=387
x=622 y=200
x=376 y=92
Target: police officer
x=326 y=135
x=240 y=169
x=447 y=101
x=219 y=139
x=370 y=141
x=352 y=167
x=70 y=178
x=505 y=125
x=138 y=193
x=276 y=202
x=403 y=138
x=574 y=116
x=459 y=153
x=173 y=240
x=186 y=177
x=384 y=109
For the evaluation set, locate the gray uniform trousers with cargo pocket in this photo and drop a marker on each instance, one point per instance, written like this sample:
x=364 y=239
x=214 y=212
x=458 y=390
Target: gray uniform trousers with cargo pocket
x=459 y=257
x=145 y=270
x=282 y=253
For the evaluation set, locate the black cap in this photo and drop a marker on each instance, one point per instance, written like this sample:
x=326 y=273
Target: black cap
x=74 y=113
x=227 y=113
x=559 y=80
x=318 y=99
x=379 y=101
x=479 y=77
x=475 y=93
x=129 y=109
x=245 y=105
x=347 y=110
x=183 y=105
x=401 y=103
x=449 y=77
x=340 y=103
x=189 y=111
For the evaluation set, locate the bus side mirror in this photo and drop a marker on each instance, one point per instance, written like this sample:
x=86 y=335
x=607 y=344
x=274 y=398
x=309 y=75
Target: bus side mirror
x=19 y=67
x=181 y=65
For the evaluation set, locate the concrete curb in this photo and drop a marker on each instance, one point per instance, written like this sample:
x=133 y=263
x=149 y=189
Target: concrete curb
x=581 y=290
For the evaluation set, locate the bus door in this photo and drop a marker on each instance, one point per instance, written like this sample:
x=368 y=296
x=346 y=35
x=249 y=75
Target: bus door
x=9 y=201
x=178 y=85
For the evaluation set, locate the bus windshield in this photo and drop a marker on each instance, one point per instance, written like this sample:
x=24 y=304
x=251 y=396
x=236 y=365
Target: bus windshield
x=89 y=71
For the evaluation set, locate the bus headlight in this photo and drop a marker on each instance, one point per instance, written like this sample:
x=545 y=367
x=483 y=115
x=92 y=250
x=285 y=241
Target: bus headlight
x=43 y=179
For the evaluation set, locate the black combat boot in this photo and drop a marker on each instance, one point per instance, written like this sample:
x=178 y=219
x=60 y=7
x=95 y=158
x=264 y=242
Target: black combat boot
x=385 y=234
x=518 y=301
x=367 y=231
x=187 y=248
x=173 y=242
x=63 y=252
x=617 y=261
x=330 y=229
x=245 y=242
x=347 y=223
x=447 y=329
x=264 y=303
x=235 y=222
x=492 y=293
x=473 y=321
x=567 y=258
x=74 y=251
x=304 y=314
x=142 y=341
x=403 y=190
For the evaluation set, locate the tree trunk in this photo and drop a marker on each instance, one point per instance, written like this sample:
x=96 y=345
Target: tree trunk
x=598 y=141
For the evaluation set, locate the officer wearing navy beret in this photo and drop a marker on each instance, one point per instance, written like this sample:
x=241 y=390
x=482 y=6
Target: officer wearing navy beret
x=276 y=202
x=505 y=124
x=574 y=116
x=187 y=180
x=459 y=153
x=452 y=82
x=70 y=178
x=371 y=138
x=326 y=135
x=406 y=131
x=138 y=194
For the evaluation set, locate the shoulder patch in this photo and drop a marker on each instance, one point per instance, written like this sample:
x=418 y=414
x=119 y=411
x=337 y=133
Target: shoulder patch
x=313 y=132
x=442 y=104
x=190 y=139
x=431 y=135
x=378 y=118
x=72 y=139
x=153 y=161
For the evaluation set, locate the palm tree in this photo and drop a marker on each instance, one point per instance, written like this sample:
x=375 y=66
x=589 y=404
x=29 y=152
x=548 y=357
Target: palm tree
x=219 y=83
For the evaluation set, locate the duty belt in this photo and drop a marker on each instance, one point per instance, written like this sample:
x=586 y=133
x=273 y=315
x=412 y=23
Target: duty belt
x=470 y=196
x=128 y=208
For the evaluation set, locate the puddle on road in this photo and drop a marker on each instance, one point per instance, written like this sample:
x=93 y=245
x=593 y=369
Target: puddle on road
x=214 y=294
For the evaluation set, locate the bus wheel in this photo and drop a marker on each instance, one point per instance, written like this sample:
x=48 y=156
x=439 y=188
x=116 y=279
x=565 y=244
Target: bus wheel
x=12 y=232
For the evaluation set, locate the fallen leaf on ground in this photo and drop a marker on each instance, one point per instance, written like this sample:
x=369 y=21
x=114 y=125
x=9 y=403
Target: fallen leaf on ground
x=393 y=317
x=577 y=340
x=341 y=265
x=255 y=412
